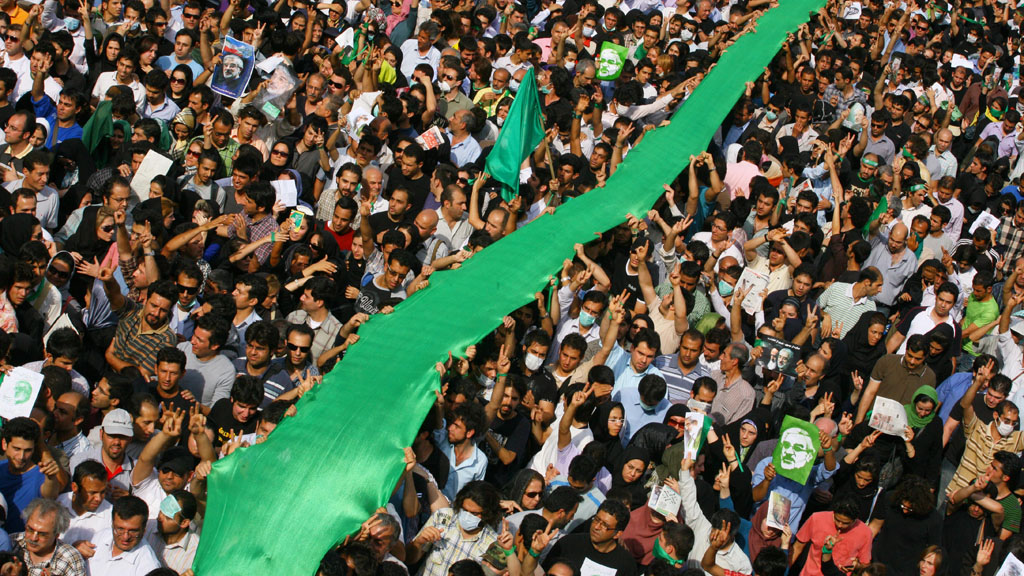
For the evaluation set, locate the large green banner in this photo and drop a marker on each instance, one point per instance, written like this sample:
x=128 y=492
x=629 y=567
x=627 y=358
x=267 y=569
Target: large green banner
x=276 y=508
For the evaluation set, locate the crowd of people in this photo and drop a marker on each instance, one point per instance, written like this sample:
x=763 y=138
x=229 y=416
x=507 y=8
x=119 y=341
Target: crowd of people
x=181 y=266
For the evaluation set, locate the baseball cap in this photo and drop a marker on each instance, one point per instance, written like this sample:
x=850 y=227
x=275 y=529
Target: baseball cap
x=1017 y=326
x=178 y=459
x=119 y=422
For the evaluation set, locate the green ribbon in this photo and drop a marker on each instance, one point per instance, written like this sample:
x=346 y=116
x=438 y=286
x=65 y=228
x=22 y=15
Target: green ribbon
x=277 y=507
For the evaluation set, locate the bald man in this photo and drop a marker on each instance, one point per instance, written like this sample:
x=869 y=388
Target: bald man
x=940 y=161
x=896 y=263
x=373 y=187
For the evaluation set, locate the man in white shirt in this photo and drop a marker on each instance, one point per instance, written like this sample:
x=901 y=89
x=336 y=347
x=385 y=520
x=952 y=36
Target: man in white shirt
x=421 y=50
x=123 y=76
x=174 y=538
x=121 y=550
x=90 y=512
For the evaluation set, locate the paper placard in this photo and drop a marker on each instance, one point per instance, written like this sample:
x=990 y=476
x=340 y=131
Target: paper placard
x=153 y=165
x=852 y=12
x=431 y=138
x=757 y=282
x=779 y=356
x=63 y=321
x=985 y=219
x=232 y=75
x=267 y=65
x=665 y=501
x=286 y=191
x=888 y=416
x=1011 y=567
x=694 y=434
x=18 y=392
x=778 y=511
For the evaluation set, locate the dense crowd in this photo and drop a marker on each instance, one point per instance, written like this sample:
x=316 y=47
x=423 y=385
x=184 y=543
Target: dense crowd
x=203 y=202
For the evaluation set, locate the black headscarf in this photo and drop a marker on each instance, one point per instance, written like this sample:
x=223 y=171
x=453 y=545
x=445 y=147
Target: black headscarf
x=15 y=232
x=84 y=240
x=942 y=364
x=599 y=427
x=638 y=493
x=860 y=355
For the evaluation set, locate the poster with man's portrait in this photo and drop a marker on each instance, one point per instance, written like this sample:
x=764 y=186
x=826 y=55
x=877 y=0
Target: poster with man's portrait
x=779 y=356
x=797 y=449
x=231 y=76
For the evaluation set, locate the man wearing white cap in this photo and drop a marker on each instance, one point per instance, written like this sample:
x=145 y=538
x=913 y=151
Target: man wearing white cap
x=116 y=433
x=1011 y=331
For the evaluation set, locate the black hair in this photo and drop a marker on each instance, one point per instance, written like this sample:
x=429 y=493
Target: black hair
x=127 y=507
x=247 y=390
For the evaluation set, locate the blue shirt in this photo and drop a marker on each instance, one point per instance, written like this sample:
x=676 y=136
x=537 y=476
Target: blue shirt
x=951 y=391
x=797 y=493
x=636 y=416
x=45 y=108
x=168 y=63
x=19 y=490
x=625 y=377
x=473 y=468
x=465 y=152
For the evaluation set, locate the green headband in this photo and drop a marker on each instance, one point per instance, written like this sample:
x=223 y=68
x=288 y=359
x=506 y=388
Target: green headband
x=869 y=162
x=916 y=187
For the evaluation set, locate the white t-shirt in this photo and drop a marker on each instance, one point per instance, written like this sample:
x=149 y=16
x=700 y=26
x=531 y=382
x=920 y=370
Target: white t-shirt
x=108 y=79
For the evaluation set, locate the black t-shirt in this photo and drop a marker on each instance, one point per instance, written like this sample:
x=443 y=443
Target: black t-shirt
x=622 y=280
x=418 y=189
x=512 y=434
x=438 y=465
x=177 y=402
x=222 y=422
x=577 y=551
x=372 y=298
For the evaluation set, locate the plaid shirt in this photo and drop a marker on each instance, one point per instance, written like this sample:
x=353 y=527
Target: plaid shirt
x=452 y=546
x=66 y=561
x=842 y=102
x=256 y=231
x=1012 y=236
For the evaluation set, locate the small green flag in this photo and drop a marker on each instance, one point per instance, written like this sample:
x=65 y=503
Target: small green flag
x=520 y=135
x=797 y=449
x=610 y=60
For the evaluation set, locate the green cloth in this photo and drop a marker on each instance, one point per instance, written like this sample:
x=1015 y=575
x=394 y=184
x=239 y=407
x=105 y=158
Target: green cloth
x=797 y=449
x=276 y=508
x=522 y=131
x=883 y=205
x=96 y=133
x=978 y=313
x=915 y=421
x=610 y=60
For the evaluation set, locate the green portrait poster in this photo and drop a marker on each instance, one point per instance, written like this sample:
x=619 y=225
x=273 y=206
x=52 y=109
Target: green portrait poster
x=797 y=449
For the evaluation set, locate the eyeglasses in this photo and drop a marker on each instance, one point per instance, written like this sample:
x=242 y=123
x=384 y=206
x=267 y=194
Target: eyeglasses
x=391 y=272
x=176 y=80
x=616 y=420
x=127 y=532
x=188 y=289
x=107 y=229
x=297 y=348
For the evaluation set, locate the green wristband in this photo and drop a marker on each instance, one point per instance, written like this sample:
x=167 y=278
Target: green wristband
x=508 y=553
x=532 y=553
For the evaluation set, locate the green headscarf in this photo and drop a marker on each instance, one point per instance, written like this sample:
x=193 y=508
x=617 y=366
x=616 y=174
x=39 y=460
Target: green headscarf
x=916 y=422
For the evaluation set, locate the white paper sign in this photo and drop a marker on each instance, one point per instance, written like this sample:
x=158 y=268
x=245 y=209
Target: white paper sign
x=986 y=219
x=665 y=501
x=1011 y=567
x=591 y=568
x=268 y=64
x=888 y=416
x=757 y=282
x=778 y=510
x=852 y=12
x=18 y=392
x=287 y=194
x=153 y=165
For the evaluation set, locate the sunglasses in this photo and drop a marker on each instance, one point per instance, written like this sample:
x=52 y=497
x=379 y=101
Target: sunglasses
x=12 y=38
x=59 y=273
x=297 y=348
x=107 y=229
x=188 y=289
x=175 y=80
x=337 y=85
x=190 y=16
x=278 y=153
x=159 y=23
x=193 y=153
x=401 y=150
x=532 y=494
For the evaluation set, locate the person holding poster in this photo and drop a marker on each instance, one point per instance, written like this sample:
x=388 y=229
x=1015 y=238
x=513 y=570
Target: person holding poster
x=803 y=459
x=236 y=64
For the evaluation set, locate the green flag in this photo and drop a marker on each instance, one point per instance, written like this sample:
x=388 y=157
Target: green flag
x=797 y=449
x=519 y=136
x=610 y=60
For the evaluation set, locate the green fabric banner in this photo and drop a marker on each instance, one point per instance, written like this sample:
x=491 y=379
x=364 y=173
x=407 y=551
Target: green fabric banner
x=520 y=134
x=797 y=449
x=276 y=508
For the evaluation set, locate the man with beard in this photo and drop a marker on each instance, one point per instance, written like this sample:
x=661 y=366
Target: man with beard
x=142 y=330
x=261 y=342
x=116 y=433
x=508 y=430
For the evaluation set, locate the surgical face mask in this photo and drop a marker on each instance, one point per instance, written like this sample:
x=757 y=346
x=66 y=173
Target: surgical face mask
x=587 y=320
x=570 y=66
x=533 y=362
x=771 y=116
x=486 y=382
x=1004 y=428
x=972 y=39
x=647 y=407
x=71 y=24
x=467 y=521
x=444 y=86
x=513 y=85
x=589 y=32
x=687 y=35
x=376 y=110
x=724 y=289
x=500 y=121
x=545 y=89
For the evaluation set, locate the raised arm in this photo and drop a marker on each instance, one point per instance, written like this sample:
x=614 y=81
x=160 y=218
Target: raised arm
x=170 y=430
x=475 y=220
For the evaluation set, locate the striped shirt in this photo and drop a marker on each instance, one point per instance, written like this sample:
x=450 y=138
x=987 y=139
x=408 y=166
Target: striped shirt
x=453 y=546
x=981 y=447
x=680 y=385
x=137 y=346
x=177 y=556
x=838 y=302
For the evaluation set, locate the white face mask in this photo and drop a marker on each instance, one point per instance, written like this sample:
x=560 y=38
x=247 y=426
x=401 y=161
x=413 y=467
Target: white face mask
x=570 y=66
x=533 y=362
x=501 y=121
x=444 y=86
x=486 y=382
x=589 y=32
x=1004 y=428
x=686 y=35
x=513 y=85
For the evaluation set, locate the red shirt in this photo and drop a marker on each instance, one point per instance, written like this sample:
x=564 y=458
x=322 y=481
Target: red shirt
x=855 y=543
x=344 y=240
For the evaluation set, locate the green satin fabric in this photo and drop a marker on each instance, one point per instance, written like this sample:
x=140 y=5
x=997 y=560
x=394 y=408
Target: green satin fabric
x=276 y=508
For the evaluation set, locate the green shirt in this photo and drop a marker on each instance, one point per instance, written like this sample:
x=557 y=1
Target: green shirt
x=1011 y=513
x=978 y=313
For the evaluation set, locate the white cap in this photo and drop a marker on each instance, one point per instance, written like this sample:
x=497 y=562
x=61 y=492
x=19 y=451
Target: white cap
x=119 y=422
